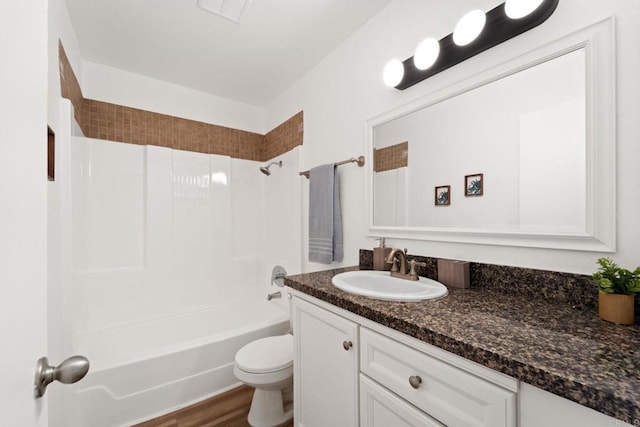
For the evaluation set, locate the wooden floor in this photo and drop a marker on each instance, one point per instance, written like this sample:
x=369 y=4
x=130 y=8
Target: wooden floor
x=229 y=409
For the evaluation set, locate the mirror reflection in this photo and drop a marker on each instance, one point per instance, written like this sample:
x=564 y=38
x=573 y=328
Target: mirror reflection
x=520 y=139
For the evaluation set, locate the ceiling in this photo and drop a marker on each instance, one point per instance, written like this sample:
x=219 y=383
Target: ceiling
x=275 y=44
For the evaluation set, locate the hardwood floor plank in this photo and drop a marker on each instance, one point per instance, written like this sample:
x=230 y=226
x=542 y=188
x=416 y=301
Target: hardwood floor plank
x=230 y=408
x=238 y=417
x=168 y=420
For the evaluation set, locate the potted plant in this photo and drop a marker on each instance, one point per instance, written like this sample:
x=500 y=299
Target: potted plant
x=616 y=290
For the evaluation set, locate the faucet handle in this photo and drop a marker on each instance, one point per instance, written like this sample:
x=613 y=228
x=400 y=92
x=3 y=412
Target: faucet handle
x=394 y=267
x=413 y=274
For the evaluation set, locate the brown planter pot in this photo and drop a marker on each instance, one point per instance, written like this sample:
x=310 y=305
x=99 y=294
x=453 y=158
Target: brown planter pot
x=616 y=308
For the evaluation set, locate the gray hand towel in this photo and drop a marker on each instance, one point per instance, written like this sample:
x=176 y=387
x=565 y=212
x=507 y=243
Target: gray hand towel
x=325 y=220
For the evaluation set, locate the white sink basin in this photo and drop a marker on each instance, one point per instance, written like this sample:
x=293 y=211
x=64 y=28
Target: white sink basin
x=380 y=285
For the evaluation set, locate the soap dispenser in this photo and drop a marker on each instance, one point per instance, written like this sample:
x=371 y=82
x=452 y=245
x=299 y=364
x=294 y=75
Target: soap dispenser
x=380 y=255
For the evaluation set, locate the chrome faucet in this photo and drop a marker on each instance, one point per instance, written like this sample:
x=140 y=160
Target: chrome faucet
x=400 y=271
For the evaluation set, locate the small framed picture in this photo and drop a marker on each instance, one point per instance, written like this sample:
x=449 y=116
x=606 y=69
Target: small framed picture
x=443 y=195
x=473 y=185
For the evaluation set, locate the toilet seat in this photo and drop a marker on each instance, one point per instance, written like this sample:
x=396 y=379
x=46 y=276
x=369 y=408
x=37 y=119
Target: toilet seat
x=266 y=355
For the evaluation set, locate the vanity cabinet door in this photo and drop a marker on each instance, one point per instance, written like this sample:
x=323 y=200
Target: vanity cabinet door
x=325 y=377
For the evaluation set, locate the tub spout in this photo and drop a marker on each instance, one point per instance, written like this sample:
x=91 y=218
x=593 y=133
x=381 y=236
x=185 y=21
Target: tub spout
x=274 y=295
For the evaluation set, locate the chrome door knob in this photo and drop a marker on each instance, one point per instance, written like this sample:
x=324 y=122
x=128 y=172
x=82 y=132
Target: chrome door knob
x=415 y=381
x=347 y=345
x=69 y=371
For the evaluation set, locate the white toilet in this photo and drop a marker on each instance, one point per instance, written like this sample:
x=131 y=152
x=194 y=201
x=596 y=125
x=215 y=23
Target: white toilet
x=267 y=365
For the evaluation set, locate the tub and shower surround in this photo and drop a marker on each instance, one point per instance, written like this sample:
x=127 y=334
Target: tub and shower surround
x=154 y=234
x=150 y=368
x=171 y=272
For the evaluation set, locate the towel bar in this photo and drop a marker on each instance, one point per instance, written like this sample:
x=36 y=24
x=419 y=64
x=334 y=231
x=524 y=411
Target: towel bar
x=359 y=161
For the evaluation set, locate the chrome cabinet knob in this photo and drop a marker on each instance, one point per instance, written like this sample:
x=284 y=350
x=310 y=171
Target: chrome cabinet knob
x=347 y=345
x=415 y=381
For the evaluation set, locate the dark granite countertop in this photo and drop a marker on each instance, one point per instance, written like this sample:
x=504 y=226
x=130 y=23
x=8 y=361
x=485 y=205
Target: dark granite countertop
x=553 y=346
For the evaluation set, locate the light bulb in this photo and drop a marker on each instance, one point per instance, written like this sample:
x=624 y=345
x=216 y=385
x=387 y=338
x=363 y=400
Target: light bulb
x=393 y=72
x=516 y=9
x=426 y=53
x=469 y=27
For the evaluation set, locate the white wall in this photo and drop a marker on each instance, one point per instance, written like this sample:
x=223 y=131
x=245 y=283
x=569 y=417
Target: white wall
x=346 y=89
x=108 y=84
x=282 y=217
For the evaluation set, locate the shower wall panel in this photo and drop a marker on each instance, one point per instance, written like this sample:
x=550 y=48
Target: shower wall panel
x=159 y=232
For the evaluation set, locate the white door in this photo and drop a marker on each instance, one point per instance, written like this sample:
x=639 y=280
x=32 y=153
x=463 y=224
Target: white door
x=23 y=207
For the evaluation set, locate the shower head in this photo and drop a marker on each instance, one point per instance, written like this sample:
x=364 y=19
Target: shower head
x=265 y=169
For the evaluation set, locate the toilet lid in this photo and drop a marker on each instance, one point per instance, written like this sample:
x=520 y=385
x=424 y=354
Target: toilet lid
x=266 y=354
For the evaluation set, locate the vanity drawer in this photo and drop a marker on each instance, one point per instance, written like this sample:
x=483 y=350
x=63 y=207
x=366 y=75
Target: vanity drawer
x=381 y=408
x=447 y=393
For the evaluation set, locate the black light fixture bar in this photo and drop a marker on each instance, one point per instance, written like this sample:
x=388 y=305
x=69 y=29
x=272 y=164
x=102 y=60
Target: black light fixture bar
x=498 y=28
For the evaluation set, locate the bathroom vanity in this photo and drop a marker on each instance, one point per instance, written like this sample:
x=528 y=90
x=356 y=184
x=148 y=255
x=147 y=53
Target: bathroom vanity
x=473 y=358
x=337 y=356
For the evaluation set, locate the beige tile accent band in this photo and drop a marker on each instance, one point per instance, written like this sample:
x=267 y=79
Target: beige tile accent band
x=391 y=157
x=119 y=123
x=69 y=86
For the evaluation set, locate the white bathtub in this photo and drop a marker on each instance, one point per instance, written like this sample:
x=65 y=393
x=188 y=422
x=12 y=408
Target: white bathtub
x=150 y=368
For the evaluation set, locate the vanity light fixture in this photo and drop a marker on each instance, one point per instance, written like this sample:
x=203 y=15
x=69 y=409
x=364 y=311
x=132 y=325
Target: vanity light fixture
x=469 y=27
x=475 y=32
x=516 y=9
x=426 y=53
x=393 y=72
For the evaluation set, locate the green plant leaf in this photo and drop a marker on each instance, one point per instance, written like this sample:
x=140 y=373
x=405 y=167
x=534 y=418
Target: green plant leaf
x=611 y=278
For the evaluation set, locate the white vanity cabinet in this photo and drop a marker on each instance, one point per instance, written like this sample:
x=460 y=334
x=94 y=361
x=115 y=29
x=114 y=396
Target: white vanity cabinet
x=325 y=375
x=346 y=374
x=350 y=371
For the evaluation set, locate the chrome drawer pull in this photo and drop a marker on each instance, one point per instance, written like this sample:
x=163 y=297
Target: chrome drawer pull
x=347 y=345
x=415 y=381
